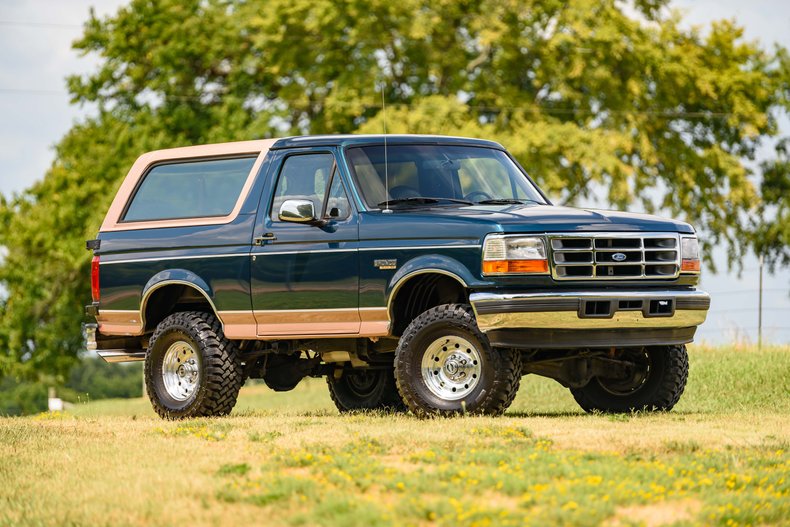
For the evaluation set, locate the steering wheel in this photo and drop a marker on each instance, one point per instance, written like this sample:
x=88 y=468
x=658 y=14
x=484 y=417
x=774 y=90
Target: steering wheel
x=477 y=193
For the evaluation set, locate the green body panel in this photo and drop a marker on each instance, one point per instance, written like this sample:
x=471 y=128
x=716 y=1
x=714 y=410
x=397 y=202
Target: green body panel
x=345 y=264
x=219 y=265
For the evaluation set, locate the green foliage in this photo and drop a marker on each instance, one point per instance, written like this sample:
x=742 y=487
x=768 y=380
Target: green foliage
x=46 y=269
x=90 y=379
x=22 y=398
x=587 y=94
x=95 y=379
x=773 y=226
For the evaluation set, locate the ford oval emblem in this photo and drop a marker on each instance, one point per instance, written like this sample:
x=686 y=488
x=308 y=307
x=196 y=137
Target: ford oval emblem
x=618 y=257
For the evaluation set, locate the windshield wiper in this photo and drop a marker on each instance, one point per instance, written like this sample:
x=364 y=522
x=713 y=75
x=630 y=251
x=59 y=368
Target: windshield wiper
x=420 y=200
x=507 y=201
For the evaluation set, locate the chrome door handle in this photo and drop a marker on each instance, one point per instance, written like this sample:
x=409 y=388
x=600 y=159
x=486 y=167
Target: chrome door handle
x=265 y=237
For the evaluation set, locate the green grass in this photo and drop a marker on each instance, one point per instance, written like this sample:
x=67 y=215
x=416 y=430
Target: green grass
x=721 y=458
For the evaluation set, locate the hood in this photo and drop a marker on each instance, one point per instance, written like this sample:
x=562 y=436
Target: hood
x=550 y=218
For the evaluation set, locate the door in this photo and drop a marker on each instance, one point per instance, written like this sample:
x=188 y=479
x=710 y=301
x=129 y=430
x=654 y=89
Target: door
x=305 y=277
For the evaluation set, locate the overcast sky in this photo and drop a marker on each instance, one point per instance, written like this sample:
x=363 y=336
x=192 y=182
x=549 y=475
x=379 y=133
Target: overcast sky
x=36 y=36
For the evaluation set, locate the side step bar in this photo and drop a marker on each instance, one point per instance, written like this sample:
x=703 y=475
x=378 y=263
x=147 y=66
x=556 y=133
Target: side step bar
x=121 y=355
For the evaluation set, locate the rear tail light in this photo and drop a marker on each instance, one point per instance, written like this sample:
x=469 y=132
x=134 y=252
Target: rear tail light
x=95 y=278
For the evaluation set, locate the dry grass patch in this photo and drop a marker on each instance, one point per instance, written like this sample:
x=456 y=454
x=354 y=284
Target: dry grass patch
x=656 y=514
x=288 y=459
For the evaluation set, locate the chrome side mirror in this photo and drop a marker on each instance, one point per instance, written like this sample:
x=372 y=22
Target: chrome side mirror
x=297 y=211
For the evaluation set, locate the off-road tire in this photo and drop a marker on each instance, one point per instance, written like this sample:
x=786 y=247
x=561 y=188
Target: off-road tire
x=220 y=372
x=660 y=391
x=500 y=369
x=380 y=394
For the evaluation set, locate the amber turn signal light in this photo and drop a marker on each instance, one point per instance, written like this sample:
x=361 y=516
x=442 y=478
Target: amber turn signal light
x=515 y=266
x=690 y=266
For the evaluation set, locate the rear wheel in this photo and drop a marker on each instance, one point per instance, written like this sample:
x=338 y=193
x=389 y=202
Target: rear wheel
x=365 y=390
x=656 y=382
x=445 y=365
x=191 y=369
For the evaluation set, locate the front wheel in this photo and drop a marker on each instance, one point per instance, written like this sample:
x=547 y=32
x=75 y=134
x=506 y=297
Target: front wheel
x=445 y=365
x=191 y=369
x=657 y=380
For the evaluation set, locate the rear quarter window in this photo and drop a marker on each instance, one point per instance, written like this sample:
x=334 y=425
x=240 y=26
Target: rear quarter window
x=190 y=189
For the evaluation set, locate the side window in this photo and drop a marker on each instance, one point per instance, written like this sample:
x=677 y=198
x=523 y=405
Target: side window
x=193 y=189
x=337 y=205
x=312 y=177
x=303 y=177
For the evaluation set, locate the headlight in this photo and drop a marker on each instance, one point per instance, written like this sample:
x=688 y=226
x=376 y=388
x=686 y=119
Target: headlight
x=689 y=255
x=514 y=255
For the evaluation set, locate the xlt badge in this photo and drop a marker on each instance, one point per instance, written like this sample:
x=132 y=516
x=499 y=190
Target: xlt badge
x=386 y=264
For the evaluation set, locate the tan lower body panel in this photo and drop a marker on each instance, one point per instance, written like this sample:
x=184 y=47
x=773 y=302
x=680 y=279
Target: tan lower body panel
x=375 y=322
x=119 y=322
x=238 y=325
x=323 y=322
x=249 y=325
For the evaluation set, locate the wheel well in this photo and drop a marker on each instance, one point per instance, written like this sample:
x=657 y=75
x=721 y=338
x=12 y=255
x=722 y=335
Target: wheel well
x=170 y=299
x=421 y=293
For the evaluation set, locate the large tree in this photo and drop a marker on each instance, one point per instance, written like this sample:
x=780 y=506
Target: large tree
x=588 y=94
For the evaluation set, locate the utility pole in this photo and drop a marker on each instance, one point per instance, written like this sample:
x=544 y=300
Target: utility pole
x=760 y=310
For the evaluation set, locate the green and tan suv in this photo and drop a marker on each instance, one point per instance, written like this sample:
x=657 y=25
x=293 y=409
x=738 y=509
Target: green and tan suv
x=413 y=272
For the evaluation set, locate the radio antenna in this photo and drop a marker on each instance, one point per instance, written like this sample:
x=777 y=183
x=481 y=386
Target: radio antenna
x=387 y=209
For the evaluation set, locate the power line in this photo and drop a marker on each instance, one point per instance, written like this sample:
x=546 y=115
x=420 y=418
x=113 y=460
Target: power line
x=747 y=309
x=667 y=113
x=33 y=91
x=752 y=290
x=719 y=329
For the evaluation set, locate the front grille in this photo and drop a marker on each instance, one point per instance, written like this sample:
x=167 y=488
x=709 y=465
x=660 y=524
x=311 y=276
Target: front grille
x=614 y=256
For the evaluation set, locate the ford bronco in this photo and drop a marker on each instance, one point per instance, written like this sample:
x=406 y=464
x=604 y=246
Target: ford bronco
x=418 y=273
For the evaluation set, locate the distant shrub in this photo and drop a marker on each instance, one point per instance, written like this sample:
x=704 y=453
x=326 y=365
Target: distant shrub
x=22 y=398
x=93 y=378
x=90 y=379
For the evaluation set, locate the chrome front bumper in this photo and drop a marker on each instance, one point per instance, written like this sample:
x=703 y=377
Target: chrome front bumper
x=591 y=310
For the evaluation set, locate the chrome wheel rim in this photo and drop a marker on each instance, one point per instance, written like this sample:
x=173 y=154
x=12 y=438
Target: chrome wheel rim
x=451 y=367
x=180 y=370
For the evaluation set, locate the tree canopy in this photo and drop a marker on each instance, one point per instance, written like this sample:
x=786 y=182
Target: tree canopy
x=592 y=96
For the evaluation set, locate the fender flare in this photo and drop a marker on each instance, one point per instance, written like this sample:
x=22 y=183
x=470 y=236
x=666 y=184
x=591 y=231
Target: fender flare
x=176 y=277
x=425 y=264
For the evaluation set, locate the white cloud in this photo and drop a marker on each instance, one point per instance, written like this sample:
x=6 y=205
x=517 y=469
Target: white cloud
x=36 y=38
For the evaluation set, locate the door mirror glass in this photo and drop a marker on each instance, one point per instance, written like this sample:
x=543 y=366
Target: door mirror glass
x=297 y=211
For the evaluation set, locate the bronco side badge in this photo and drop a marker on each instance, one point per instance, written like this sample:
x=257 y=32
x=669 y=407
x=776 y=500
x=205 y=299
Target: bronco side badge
x=385 y=264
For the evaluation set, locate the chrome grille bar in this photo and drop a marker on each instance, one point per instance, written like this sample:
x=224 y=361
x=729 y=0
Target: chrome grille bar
x=614 y=256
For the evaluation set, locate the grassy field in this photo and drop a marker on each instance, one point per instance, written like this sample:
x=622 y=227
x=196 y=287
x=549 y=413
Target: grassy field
x=721 y=458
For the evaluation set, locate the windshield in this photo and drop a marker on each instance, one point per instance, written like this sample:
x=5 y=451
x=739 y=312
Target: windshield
x=439 y=174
